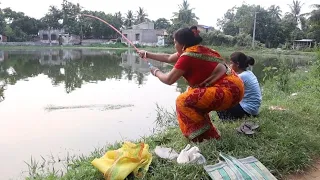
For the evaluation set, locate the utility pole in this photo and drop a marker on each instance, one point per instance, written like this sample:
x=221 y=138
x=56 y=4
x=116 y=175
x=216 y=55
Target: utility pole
x=254 y=29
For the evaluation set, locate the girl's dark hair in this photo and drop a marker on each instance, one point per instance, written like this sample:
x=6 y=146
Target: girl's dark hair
x=242 y=60
x=194 y=27
x=187 y=37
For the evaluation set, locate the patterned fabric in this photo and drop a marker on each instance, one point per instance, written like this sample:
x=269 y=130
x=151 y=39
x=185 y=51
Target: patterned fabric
x=233 y=169
x=194 y=105
x=118 y=164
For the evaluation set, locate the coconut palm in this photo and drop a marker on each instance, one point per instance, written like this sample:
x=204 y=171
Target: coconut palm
x=296 y=7
x=185 y=14
x=141 y=16
x=275 y=12
x=129 y=19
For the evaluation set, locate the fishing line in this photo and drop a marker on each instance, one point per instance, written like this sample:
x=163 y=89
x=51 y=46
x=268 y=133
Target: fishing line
x=123 y=36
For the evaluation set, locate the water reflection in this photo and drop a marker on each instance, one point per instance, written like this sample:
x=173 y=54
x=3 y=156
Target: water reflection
x=72 y=68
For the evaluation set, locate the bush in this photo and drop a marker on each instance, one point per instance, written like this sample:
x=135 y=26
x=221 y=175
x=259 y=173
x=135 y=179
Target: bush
x=217 y=38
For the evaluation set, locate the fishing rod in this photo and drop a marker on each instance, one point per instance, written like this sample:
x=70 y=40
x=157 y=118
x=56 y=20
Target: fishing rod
x=123 y=36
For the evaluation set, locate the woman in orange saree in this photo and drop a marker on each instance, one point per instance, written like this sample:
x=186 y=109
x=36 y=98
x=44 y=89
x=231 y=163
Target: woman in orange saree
x=199 y=64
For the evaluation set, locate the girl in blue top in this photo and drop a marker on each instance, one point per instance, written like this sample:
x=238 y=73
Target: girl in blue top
x=251 y=102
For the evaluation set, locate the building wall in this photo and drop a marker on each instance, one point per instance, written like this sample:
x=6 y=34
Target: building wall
x=50 y=35
x=149 y=36
x=67 y=39
x=131 y=35
x=146 y=36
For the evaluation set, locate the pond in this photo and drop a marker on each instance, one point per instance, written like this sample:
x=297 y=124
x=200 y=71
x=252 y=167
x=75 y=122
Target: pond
x=58 y=102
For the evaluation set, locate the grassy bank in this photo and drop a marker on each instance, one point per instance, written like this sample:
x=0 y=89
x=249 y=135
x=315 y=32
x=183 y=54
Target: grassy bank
x=287 y=142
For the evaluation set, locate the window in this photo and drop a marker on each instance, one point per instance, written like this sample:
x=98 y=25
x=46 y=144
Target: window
x=54 y=57
x=45 y=37
x=46 y=57
x=137 y=37
x=53 y=37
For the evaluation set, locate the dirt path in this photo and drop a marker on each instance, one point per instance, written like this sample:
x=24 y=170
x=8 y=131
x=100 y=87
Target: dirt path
x=312 y=174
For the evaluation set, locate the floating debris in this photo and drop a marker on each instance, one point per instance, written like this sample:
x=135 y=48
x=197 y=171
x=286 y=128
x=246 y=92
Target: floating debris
x=102 y=107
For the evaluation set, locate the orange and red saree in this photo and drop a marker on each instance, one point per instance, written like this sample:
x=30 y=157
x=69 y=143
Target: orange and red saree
x=194 y=105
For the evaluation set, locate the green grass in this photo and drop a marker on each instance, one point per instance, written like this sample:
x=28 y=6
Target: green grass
x=287 y=142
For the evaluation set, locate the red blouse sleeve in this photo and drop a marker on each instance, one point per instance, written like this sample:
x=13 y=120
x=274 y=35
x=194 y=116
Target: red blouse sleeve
x=183 y=63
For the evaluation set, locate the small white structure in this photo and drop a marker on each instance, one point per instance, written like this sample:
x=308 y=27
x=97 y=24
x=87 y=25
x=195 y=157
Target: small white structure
x=303 y=43
x=3 y=38
x=1 y=56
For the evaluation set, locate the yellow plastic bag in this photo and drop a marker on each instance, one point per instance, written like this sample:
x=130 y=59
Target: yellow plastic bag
x=118 y=164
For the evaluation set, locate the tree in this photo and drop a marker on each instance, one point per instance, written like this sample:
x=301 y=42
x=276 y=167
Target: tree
x=162 y=23
x=295 y=8
x=8 y=31
x=52 y=18
x=129 y=19
x=275 y=12
x=238 y=20
x=227 y=23
x=28 y=25
x=119 y=18
x=185 y=15
x=70 y=14
x=314 y=18
x=289 y=26
x=141 y=16
x=20 y=27
x=2 y=21
x=11 y=15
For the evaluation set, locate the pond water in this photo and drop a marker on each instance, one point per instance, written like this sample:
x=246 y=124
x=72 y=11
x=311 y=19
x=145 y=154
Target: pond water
x=54 y=102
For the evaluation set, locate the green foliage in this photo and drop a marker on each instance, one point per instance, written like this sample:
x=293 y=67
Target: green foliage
x=314 y=31
x=162 y=23
x=217 y=38
x=316 y=70
x=271 y=29
x=185 y=15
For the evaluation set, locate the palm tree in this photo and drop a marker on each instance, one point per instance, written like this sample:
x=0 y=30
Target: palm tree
x=275 y=12
x=118 y=17
x=129 y=19
x=296 y=7
x=141 y=16
x=185 y=14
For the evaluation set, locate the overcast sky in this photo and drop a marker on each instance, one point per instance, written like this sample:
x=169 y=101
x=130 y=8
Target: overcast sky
x=207 y=10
